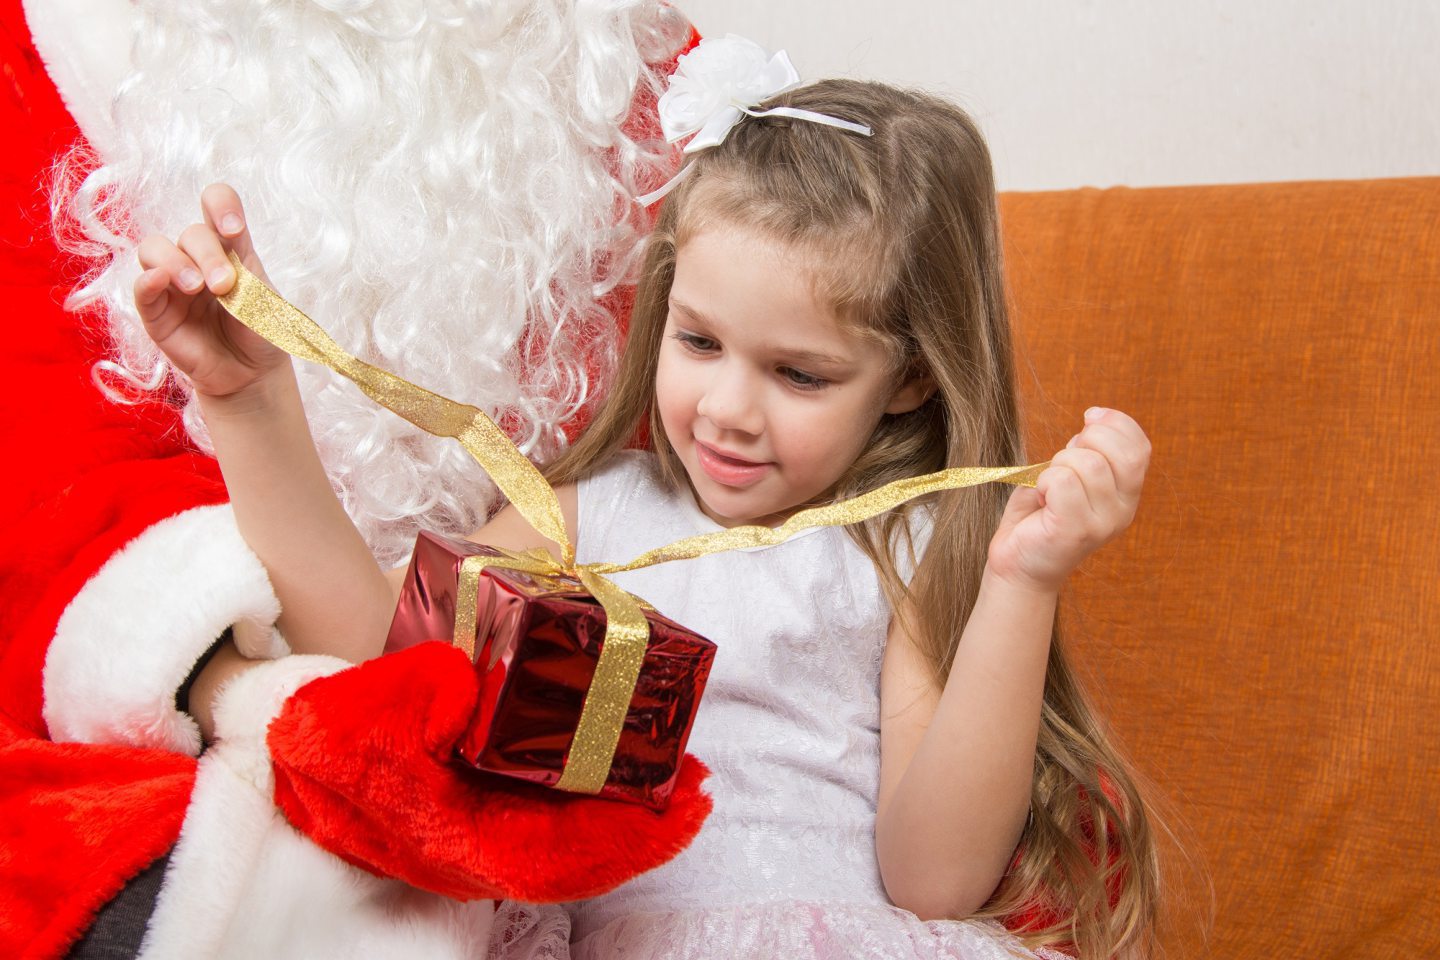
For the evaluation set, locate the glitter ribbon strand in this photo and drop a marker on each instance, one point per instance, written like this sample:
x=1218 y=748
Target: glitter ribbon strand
x=627 y=634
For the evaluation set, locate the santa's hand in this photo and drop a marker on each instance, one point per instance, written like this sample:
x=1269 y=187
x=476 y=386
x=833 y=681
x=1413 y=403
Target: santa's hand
x=364 y=765
x=1085 y=498
x=176 y=299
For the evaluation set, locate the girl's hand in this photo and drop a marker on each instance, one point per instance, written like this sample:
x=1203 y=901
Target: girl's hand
x=1084 y=499
x=176 y=300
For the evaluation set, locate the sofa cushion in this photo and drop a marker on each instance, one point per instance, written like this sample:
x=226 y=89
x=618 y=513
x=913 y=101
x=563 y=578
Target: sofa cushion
x=1266 y=638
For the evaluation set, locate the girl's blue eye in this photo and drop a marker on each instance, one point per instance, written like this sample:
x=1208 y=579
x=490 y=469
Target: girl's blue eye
x=798 y=378
x=694 y=342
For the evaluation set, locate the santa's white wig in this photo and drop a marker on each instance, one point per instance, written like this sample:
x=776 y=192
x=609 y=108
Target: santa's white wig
x=444 y=185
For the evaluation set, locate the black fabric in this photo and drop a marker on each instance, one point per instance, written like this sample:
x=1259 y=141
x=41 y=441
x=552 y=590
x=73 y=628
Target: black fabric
x=120 y=925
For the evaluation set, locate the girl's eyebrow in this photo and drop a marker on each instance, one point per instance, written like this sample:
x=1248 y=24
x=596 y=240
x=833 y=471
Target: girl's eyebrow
x=798 y=355
x=810 y=357
x=690 y=311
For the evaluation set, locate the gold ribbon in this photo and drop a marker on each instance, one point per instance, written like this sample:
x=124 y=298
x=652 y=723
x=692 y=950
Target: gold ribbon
x=627 y=635
x=268 y=314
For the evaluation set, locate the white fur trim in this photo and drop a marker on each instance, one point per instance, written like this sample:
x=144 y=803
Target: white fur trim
x=242 y=883
x=131 y=636
x=86 y=48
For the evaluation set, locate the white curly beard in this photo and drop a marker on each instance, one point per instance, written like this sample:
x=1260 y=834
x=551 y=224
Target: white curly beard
x=431 y=181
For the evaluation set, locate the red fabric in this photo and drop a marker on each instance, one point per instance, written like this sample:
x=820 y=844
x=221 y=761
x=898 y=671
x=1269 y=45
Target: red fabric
x=95 y=474
x=1044 y=912
x=364 y=766
x=76 y=822
x=85 y=476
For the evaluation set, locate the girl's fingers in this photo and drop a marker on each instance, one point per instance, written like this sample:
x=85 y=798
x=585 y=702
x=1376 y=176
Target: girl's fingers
x=157 y=252
x=1097 y=480
x=164 y=321
x=152 y=294
x=202 y=244
x=1064 y=495
x=168 y=273
x=225 y=214
x=1124 y=445
x=1023 y=502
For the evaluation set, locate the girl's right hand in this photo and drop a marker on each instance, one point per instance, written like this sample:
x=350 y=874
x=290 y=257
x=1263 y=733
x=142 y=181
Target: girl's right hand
x=175 y=297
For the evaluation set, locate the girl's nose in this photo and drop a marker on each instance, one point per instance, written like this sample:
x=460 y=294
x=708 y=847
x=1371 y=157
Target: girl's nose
x=730 y=401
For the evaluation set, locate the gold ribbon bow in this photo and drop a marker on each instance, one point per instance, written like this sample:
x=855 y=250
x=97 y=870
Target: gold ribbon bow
x=627 y=635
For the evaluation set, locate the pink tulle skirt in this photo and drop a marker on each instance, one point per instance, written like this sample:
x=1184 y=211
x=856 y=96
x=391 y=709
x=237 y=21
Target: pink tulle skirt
x=763 y=931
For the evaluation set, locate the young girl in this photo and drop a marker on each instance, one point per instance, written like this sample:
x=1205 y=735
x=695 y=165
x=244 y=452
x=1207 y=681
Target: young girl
x=897 y=743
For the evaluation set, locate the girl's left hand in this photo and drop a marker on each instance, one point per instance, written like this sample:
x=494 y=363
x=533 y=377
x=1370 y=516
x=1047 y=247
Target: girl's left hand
x=1084 y=499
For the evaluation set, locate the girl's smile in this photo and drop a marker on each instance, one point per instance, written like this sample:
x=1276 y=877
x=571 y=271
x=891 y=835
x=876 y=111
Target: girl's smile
x=729 y=470
x=766 y=396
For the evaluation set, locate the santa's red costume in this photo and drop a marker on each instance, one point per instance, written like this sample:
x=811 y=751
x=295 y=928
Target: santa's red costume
x=123 y=564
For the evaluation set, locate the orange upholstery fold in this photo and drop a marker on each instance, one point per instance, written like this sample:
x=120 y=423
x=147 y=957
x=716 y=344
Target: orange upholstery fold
x=1266 y=638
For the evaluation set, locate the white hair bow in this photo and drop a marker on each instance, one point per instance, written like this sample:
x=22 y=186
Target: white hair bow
x=717 y=84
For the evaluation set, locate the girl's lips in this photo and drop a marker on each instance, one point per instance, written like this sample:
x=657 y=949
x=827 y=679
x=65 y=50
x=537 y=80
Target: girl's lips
x=728 y=470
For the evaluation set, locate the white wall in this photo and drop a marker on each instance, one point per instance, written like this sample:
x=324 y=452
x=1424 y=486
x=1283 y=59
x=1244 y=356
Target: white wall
x=1140 y=92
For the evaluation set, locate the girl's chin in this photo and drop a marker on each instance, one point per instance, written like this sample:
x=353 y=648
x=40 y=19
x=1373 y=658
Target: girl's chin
x=738 y=511
x=733 y=504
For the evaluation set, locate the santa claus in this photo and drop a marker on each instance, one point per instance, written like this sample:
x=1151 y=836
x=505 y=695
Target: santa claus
x=448 y=188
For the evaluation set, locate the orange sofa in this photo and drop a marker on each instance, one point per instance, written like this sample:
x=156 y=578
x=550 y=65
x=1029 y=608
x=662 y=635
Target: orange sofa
x=1266 y=638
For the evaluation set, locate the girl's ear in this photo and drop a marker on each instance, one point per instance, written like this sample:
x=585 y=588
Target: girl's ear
x=910 y=395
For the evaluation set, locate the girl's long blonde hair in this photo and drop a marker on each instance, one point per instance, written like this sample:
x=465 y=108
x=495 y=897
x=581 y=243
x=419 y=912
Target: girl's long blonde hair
x=904 y=230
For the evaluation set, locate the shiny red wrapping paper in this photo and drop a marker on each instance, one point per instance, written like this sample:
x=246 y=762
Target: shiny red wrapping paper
x=537 y=642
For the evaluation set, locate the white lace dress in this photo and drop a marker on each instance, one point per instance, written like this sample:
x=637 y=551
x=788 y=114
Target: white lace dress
x=789 y=725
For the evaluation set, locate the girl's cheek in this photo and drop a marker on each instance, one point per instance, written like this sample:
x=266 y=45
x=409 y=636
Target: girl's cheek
x=806 y=440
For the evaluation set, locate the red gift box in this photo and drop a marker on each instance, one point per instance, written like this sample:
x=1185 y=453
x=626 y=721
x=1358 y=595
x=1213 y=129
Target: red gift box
x=538 y=639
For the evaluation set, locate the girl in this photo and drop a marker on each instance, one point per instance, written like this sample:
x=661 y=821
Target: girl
x=896 y=740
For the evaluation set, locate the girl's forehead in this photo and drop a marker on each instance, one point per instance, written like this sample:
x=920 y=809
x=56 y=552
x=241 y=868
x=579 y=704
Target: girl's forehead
x=731 y=276
x=728 y=275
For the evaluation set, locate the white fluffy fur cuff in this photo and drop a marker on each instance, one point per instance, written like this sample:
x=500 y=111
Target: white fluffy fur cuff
x=242 y=883
x=133 y=633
